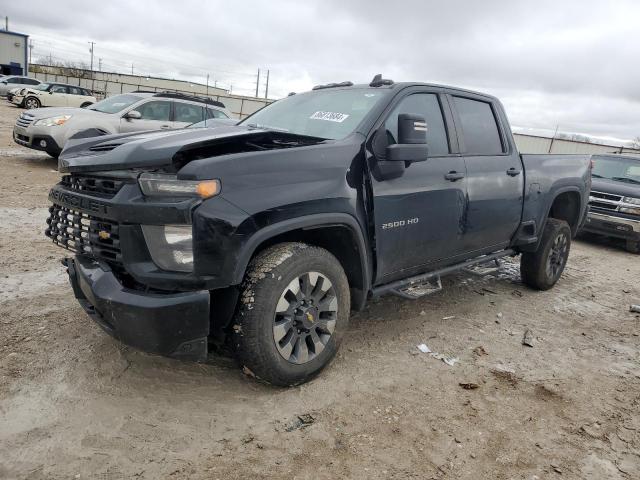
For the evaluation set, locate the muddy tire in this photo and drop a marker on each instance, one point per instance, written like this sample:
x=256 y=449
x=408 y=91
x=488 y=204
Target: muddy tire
x=542 y=269
x=633 y=246
x=31 y=102
x=292 y=315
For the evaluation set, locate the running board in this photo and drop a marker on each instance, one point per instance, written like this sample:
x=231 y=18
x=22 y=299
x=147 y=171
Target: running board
x=481 y=269
x=419 y=282
x=417 y=290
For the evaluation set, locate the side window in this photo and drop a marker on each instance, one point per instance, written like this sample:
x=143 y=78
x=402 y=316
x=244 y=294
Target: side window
x=428 y=105
x=17 y=81
x=156 y=110
x=58 y=89
x=75 y=91
x=213 y=113
x=185 y=112
x=479 y=127
x=30 y=81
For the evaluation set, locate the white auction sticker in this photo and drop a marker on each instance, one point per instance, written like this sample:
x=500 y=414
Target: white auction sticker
x=330 y=116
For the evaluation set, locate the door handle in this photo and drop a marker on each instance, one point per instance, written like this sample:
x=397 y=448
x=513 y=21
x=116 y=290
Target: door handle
x=513 y=172
x=452 y=176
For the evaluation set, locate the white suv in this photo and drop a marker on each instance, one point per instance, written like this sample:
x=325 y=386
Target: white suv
x=48 y=129
x=52 y=95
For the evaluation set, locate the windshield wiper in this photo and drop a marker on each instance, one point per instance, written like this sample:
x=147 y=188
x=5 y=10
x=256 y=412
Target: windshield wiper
x=595 y=175
x=626 y=179
x=267 y=127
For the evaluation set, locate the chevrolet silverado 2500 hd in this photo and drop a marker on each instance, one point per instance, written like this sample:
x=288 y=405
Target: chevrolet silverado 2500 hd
x=266 y=234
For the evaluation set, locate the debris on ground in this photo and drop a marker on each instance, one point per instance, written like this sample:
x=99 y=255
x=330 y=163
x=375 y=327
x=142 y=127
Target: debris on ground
x=499 y=315
x=480 y=351
x=528 y=339
x=634 y=308
x=516 y=293
x=451 y=361
x=450 y=317
x=248 y=372
x=505 y=374
x=469 y=386
x=248 y=438
x=301 y=421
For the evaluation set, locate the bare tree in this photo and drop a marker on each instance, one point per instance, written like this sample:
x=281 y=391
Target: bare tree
x=635 y=143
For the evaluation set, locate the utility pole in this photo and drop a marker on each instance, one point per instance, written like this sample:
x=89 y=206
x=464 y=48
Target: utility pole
x=207 y=84
x=266 y=90
x=30 y=49
x=257 y=83
x=92 y=76
x=50 y=59
x=6 y=23
x=131 y=68
x=99 y=64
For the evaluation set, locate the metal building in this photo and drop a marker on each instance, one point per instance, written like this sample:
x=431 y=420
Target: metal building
x=14 y=57
x=540 y=144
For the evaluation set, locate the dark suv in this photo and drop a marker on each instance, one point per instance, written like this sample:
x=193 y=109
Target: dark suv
x=615 y=199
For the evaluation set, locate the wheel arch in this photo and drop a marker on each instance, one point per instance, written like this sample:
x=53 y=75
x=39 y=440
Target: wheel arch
x=340 y=234
x=566 y=205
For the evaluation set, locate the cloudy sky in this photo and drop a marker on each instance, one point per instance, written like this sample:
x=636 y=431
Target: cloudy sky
x=569 y=64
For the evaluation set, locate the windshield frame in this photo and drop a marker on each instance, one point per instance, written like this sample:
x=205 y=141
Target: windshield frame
x=363 y=126
x=117 y=112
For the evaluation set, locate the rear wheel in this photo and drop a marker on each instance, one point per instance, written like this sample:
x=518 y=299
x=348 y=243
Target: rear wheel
x=31 y=103
x=292 y=314
x=542 y=269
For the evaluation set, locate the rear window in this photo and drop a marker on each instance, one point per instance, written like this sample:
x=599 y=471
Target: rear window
x=479 y=128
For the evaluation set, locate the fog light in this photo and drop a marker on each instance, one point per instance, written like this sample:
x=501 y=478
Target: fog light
x=170 y=246
x=43 y=143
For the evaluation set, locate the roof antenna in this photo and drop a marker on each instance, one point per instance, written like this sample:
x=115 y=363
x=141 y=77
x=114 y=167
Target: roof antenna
x=378 y=81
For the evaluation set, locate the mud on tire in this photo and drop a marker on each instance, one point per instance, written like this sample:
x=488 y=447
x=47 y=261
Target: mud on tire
x=283 y=337
x=542 y=269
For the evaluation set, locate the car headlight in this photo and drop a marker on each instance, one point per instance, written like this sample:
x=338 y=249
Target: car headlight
x=170 y=246
x=156 y=185
x=53 y=121
x=631 y=200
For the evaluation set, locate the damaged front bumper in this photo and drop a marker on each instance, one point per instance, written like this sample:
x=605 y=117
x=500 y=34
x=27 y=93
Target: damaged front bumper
x=169 y=324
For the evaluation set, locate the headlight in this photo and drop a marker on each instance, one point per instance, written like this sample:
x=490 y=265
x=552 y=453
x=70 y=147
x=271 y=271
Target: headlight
x=53 y=121
x=631 y=200
x=154 y=185
x=630 y=211
x=170 y=246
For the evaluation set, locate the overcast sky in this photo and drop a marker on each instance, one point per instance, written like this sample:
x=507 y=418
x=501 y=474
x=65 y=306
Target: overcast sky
x=572 y=64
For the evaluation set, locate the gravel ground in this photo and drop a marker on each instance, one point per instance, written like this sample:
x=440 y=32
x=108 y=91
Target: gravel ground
x=76 y=404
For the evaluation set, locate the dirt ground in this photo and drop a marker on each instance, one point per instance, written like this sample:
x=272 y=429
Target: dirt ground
x=74 y=403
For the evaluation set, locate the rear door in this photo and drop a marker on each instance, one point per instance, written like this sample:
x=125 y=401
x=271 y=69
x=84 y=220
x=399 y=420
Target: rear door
x=186 y=114
x=494 y=173
x=418 y=216
x=155 y=115
x=76 y=97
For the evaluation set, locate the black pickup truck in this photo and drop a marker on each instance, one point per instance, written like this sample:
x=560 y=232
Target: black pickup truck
x=615 y=199
x=264 y=236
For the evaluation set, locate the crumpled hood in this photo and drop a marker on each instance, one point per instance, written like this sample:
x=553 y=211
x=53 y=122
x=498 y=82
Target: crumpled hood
x=152 y=149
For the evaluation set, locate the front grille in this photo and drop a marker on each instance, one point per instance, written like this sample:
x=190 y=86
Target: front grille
x=604 y=206
x=96 y=186
x=82 y=233
x=607 y=196
x=25 y=120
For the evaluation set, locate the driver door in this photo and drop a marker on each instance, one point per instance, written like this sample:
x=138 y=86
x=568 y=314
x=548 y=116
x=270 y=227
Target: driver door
x=155 y=115
x=419 y=216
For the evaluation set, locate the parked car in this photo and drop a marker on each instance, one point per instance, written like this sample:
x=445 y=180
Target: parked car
x=53 y=95
x=16 y=81
x=615 y=199
x=49 y=129
x=266 y=234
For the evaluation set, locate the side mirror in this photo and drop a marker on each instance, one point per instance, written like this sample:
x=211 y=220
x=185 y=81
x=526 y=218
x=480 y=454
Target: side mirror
x=133 y=115
x=412 y=140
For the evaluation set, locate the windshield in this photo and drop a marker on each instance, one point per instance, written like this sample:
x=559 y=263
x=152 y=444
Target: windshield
x=42 y=86
x=619 y=169
x=114 y=104
x=330 y=114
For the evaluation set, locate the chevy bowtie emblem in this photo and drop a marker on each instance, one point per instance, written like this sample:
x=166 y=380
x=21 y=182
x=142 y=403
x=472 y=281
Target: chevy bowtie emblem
x=309 y=317
x=104 y=235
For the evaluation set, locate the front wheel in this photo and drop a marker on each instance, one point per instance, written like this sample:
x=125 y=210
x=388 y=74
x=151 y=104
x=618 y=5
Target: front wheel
x=542 y=269
x=292 y=315
x=633 y=246
x=30 y=103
